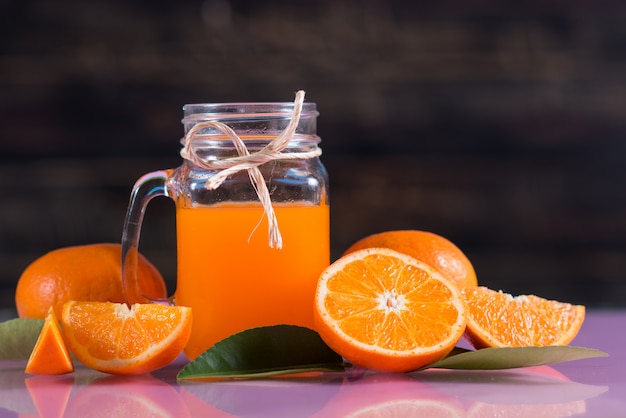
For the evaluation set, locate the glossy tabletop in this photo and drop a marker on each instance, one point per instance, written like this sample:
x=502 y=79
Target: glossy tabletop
x=590 y=388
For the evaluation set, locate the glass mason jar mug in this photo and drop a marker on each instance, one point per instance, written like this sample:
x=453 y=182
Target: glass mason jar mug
x=248 y=168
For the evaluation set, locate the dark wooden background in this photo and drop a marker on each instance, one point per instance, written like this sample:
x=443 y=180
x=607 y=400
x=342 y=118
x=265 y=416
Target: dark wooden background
x=499 y=127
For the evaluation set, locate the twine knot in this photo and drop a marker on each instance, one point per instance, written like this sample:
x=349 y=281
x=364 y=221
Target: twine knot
x=250 y=162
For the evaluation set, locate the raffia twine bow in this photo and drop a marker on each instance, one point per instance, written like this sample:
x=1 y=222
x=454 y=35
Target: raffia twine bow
x=250 y=162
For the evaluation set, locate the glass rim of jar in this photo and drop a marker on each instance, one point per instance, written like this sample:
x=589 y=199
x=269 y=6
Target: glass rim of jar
x=252 y=141
x=245 y=110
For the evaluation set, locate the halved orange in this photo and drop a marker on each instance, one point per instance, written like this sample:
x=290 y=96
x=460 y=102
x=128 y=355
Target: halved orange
x=113 y=338
x=386 y=311
x=498 y=319
x=50 y=355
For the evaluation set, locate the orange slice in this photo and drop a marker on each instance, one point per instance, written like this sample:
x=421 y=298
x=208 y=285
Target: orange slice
x=386 y=311
x=112 y=338
x=50 y=355
x=497 y=319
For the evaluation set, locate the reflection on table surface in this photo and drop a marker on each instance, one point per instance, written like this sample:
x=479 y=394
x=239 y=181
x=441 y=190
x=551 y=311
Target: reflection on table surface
x=584 y=388
x=538 y=391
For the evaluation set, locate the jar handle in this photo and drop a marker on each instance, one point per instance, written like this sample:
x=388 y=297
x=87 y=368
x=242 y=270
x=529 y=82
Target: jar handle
x=147 y=187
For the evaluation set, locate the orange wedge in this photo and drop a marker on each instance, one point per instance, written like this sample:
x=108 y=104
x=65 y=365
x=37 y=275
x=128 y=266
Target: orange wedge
x=386 y=311
x=112 y=338
x=50 y=355
x=497 y=319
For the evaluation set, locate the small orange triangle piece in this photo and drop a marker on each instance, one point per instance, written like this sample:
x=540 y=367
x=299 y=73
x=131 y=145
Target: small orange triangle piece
x=50 y=355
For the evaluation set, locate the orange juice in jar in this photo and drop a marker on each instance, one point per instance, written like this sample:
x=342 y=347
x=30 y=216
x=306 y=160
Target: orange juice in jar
x=254 y=284
x=252 y=217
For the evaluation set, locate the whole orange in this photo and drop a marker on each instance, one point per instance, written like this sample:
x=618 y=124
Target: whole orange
x=83 y=273
x=428 y=247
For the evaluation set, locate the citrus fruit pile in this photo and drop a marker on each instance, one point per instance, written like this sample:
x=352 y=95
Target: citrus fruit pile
x=399 y=300
x=101 y=331
x=394 y=302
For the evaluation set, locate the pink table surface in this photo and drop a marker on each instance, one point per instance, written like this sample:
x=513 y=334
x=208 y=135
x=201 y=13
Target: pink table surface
x=591 y=388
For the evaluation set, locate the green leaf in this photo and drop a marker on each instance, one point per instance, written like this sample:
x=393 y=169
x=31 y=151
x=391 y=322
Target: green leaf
x=514 y=357
x=263 y=352
x=18 y=337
